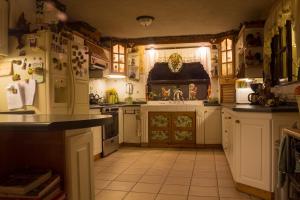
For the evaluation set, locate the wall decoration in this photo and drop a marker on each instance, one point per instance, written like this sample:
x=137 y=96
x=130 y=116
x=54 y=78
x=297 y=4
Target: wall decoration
x=177 y=94
x=165 y=93
x=133 y=66
x=193 y=91
x=175 y=62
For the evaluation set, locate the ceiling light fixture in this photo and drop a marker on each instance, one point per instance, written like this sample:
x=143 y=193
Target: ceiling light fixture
x=145 y=20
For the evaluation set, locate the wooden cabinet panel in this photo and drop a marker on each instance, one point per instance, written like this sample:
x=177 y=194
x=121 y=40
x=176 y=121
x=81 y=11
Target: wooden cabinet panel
x=172 y=128
x=183 y=127
x=159 y=127
x=131 y=125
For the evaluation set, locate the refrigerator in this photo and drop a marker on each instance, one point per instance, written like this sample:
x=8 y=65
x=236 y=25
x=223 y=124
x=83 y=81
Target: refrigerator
x=60 y=69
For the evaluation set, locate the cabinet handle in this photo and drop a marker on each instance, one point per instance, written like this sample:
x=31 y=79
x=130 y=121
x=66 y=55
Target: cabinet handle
x=205 y=111
x=237 y=121
x=222 y=112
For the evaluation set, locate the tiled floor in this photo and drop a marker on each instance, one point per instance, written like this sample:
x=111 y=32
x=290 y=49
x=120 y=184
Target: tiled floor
x=165 y=174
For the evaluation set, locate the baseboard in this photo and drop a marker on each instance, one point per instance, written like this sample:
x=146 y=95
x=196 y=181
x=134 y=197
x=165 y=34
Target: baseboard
x=254 y=191
x=97 y=156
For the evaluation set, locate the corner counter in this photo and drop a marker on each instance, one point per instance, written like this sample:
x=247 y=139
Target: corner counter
x=249 y=136
x=62 y=143
x=51 y=122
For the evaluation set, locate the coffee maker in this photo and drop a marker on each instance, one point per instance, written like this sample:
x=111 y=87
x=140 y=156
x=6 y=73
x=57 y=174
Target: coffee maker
x=253 y=98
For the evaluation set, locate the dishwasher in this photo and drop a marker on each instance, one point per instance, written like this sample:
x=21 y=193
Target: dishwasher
x=132 y=125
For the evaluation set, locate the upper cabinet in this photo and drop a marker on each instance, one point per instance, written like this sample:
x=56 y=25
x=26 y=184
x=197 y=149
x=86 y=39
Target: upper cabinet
x=118 y=59
x=3 y=28
x=226 y=58
x=249 y=51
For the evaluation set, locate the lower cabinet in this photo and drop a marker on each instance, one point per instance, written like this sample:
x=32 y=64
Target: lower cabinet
x=172 y=128
x=80 y=166
x=253 y=152
x=212 y=128
x=131 y=125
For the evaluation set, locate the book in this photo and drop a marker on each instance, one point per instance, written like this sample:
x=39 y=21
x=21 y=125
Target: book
x=23 y=180
x=61 y=196
x=50 y=196
x=39 y=191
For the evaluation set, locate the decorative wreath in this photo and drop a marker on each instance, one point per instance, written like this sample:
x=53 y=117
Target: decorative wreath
x=175 y=62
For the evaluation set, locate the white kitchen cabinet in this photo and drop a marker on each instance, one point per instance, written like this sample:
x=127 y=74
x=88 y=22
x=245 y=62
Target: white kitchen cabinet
x=80 y=165
x=253 y=152
x=97 y=135
x=212 y=125
x=227 y=138
x=131 y=125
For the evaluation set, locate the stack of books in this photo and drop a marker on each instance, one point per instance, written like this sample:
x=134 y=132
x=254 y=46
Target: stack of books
x=31 y=184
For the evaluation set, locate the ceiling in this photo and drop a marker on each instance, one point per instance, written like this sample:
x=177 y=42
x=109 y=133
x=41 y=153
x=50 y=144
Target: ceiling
x=116 y=18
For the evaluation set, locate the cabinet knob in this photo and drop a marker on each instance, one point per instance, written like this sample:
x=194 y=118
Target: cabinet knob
x=205 y=111
x=229 y=117
x=237 y=121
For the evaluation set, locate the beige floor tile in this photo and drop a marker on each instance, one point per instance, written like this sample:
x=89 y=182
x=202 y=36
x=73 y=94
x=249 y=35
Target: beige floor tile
x=147 y=187
x=157 y=172
x=225 y=182
x=106 y=176
x=224 y=175
x=129 y=177
x=152 y=179
x=201 y=174
x=202 y=198
x=101 y=184
x=203 y=191
x=181 y=173
x=231 y=192
x=174 y=189
x=135 y=171
x=170 y=197
x=119 y=185
x=173 y=180
x=229 y=198
x=111 y=195
x=140 y=196
x=207 y=182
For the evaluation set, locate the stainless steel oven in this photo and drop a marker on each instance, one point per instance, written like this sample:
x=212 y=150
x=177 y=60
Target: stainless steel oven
x=110 y=132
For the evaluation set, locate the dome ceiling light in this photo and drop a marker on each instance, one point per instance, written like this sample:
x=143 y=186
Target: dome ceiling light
x=145 y=20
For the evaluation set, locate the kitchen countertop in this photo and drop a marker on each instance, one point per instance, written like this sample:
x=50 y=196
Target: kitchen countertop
x=25 y=122
x=258 y=108
x=117 y=105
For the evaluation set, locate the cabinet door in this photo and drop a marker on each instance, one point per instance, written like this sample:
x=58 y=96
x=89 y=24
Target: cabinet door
x=253 y=155
x=131 y=134
x=212 y=128
x=183 y=128
x=97 y=140
x=159 y=127
x=80 y=168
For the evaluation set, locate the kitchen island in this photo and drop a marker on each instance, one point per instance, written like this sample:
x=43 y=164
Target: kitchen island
x=62 y=143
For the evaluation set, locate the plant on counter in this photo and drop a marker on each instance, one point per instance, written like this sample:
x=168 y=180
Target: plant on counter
x=112 y=96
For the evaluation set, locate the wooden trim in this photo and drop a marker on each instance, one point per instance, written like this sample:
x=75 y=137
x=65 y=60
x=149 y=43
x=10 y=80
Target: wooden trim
x=97 y=157
x=254 y=191
x=212 y=38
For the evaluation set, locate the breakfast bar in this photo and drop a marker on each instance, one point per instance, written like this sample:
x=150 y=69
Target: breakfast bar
x=60 y=143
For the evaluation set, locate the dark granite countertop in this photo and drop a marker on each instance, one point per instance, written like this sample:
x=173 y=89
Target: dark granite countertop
x=117 y=105
x=258 y=108
x=13 y=122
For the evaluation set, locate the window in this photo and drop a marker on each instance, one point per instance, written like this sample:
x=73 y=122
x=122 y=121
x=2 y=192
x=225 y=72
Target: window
x=226 y=55
x=118 y=52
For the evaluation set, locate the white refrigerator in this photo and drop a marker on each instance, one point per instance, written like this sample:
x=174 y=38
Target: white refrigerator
x=60 y=68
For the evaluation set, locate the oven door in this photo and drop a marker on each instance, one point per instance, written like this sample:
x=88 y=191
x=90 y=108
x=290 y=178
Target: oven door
x=111 y=130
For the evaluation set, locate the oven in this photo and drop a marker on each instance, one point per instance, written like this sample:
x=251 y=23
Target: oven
x=110 y=132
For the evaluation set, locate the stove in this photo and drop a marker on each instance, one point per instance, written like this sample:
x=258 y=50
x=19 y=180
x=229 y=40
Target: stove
x=110 y=132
